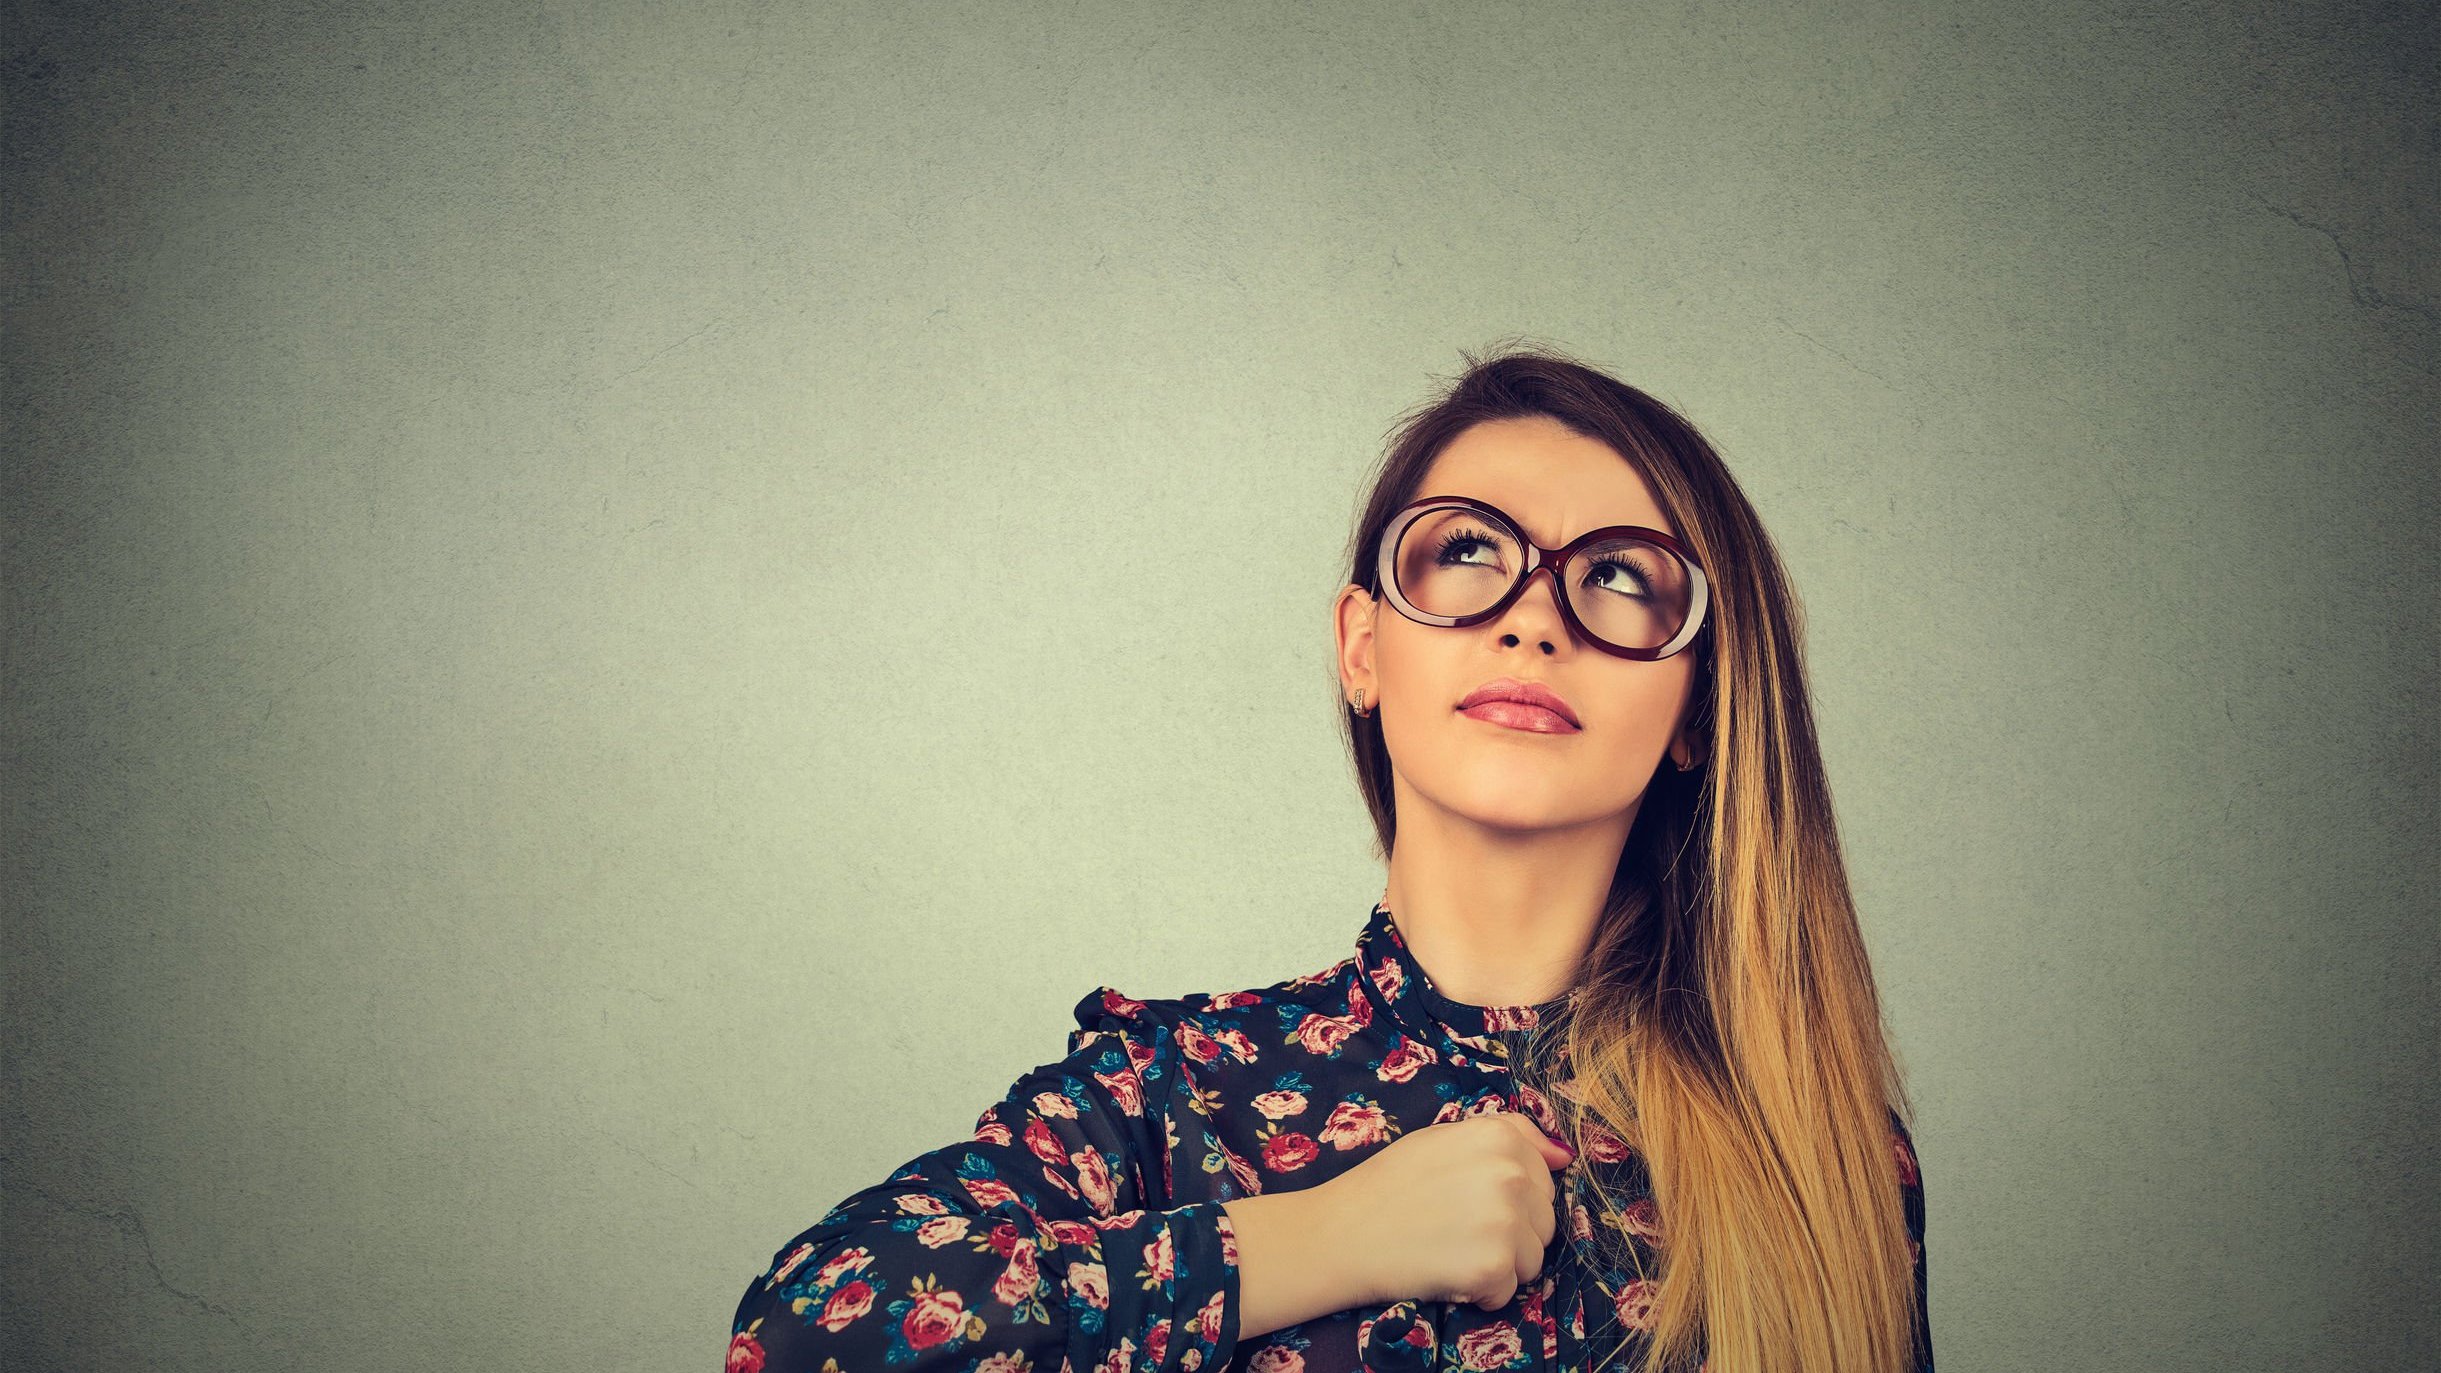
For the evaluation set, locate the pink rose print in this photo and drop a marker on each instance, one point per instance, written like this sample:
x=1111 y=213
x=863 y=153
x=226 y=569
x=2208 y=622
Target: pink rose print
x=1601 y=1145
x=1122 y=1007
x=846 y=1305
x=1493 y=1346
x=1636 y=1304
x=1120 y=1359
x=1240 y=1047
x=1092 y=1282
x=745 y=1353
x=1907 y=1162
x=1019 y=1280
x=922 y=1204
x=991 y=1131
x=1278 y=1105
x=1196 y=1044
x=1093 y=1175
x=787 y=1266
x=1488 y=1104
x=1157 y=1342
x=1388 y=978
x=1141 y=1056
x=1208 y=1320
x=1228 y=1234
x=1450 y=1110
x=1322 y=1034
x=1006 y=1361
x=1054 y=1106
x=1510 y=1017
x=1580 y=1220
x=933 y=1317
x=1355 y=1123
x=1276 y=1358
x=1241 y=1170
x=1286 y=1153
x=1227 y=1000
x=940 y=1230
x=1118 y=1222
x=847 y=1261
x=1158 y=1258
x=988 y=1192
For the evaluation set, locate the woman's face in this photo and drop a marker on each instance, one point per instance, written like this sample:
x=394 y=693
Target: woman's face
x=1556 y=484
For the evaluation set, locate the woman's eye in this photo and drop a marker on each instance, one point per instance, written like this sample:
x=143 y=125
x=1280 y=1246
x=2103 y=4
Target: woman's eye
x=1610 y=574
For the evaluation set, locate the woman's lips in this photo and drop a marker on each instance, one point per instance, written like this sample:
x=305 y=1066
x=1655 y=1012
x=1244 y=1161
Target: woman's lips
x=1519 y=715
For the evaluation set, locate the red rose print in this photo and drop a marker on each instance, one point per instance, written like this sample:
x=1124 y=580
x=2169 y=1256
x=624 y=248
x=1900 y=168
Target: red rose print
x=1907 y=1162
x=1093 y=1176
x=845 y=1305
x=1642 y=1218
x=745 y=1353
x=1043 y=1142
x=1539 y=1107
x=1286 y=1153
x=1118 y=1222
x=1404 y=1061
x=991 y=1132
x=1157 y=1342
x=1123 y=1089
x=1120 y=1359
x=933 y=1317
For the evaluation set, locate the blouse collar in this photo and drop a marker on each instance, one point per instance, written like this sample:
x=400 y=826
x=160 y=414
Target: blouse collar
x=1400 y=987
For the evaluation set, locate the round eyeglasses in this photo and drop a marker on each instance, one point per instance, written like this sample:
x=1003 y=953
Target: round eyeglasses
x=1630 y=591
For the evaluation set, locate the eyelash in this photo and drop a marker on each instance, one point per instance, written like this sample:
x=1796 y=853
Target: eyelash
x=1456 y=537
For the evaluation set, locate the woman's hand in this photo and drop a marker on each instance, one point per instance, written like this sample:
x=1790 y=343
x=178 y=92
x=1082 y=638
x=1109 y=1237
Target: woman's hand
x=1458 y=1212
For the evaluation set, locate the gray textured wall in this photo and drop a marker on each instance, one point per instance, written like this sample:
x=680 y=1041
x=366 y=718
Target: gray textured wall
x=507 y=819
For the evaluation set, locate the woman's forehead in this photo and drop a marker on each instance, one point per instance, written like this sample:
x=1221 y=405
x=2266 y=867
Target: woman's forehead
x=1553 y=481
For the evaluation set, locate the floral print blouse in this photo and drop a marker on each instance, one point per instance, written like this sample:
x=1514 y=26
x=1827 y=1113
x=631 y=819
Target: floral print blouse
x=1080 y=1229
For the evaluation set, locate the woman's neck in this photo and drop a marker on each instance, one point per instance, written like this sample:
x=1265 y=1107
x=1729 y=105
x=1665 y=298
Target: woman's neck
x=1499 y=917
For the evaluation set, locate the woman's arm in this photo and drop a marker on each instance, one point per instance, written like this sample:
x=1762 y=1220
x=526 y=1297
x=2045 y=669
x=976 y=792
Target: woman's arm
x=1035 y=1241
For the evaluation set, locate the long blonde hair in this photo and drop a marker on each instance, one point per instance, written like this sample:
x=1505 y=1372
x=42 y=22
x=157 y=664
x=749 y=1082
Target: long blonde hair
x=1727 y=1027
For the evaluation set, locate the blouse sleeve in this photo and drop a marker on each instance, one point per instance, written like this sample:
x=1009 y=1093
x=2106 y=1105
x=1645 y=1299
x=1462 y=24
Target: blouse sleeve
x=1038 y=1243
x=1911 y=1192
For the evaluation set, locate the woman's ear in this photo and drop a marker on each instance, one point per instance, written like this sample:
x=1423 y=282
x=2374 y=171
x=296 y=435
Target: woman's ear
x=1352 y=615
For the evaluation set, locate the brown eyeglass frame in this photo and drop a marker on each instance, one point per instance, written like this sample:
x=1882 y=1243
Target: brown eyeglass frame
x=1538 y=558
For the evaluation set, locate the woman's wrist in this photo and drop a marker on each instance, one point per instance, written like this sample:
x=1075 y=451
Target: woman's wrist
x=1300 y=1254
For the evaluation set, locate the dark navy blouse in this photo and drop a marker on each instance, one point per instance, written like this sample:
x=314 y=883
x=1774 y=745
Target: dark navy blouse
x=1080 y=1229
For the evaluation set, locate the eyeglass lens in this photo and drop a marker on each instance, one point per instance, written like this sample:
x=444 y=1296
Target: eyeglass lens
x=1627 y=590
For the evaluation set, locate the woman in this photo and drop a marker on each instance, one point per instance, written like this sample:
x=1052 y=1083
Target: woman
x=1604 y=1082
